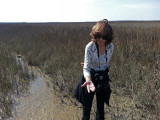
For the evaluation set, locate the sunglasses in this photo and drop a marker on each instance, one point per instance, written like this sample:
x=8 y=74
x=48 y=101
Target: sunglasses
x=98 y=36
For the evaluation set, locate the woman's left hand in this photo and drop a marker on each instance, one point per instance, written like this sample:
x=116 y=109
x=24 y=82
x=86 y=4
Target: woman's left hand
x=82 y=64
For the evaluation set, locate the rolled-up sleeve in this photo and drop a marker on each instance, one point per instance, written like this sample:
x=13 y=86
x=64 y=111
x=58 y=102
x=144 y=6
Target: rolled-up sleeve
x=87 y=61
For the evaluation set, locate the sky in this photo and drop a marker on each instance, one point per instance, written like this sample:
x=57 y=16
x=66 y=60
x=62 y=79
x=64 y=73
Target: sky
x=78 y=10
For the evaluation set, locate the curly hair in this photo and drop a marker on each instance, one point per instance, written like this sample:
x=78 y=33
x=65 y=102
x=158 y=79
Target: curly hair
x=102 y=28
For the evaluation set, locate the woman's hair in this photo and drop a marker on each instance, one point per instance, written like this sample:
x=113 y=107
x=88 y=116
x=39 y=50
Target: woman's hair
x=102 y=29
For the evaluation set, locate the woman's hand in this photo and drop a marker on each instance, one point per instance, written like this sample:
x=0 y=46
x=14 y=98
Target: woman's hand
x=90 y=86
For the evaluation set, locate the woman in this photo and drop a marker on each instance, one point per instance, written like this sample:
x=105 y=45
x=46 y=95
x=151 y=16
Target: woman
x=98 y=53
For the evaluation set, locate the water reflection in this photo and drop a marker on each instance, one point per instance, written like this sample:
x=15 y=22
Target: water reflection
x=23 y=78
x=20 y=62
x=41 y=103
x=16 y=81
x=38 y=91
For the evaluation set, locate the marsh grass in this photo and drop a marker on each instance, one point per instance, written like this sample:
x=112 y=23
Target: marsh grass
x=9 y=72
x=58 y=49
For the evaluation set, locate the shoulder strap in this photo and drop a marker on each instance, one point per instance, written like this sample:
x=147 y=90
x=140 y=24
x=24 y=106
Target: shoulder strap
x=98 y=51
x=106 y=51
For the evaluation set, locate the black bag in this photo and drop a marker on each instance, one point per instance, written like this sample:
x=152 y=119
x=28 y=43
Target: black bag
x=99 y=76
x=81 y=94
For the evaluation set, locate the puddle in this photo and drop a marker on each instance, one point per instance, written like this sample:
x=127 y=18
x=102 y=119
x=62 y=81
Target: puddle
x=41 y=102
x=20 y=62
x=23 y=78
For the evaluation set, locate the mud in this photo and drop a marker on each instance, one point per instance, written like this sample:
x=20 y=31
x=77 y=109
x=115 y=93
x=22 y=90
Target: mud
x=42 y=102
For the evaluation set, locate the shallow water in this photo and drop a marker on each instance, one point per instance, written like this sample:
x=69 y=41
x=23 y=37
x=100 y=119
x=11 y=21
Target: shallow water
x=42 y=103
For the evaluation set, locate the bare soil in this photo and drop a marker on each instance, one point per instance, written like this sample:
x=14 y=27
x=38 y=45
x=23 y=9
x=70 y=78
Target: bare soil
x=43 y=103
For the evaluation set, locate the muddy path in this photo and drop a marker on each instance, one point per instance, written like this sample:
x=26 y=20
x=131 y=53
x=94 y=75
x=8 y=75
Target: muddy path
x=42 y=102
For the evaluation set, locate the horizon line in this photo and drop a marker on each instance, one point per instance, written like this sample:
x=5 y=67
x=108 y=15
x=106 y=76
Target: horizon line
x=84 y=21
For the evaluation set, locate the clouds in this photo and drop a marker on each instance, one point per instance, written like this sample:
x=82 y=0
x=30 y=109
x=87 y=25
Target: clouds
x=142 y=11
x=131 y=10
x=141 y=6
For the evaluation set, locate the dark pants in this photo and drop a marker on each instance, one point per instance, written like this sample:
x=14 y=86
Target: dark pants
x=100 y=104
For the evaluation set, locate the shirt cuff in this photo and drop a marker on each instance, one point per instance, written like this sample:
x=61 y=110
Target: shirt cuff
x=86 y=74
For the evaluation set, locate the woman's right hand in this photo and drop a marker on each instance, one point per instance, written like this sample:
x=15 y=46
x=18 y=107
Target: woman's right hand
x=90 y=86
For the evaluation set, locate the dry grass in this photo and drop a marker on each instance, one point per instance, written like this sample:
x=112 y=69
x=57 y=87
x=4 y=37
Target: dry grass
x=9 y=83
x=58 y=49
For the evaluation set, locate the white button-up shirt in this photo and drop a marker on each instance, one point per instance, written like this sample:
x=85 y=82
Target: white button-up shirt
x=91 y=59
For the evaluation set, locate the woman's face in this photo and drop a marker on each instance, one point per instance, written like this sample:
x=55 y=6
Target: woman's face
x=101 y=41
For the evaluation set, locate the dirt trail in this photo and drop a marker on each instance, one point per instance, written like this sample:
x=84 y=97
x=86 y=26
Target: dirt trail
x=42 y=103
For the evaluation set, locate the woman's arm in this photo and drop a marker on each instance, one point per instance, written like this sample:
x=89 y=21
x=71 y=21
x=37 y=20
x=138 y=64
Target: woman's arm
x=87 y=69
x=87 y=61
